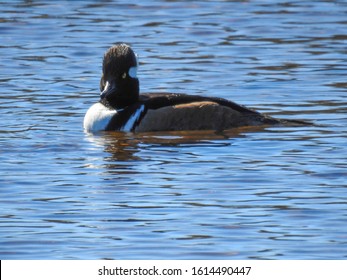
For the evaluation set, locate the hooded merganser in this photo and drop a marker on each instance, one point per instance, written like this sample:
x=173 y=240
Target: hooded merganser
x=122 y=108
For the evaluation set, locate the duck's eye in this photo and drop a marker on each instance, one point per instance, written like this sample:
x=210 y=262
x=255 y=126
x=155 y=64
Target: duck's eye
x=124 y=75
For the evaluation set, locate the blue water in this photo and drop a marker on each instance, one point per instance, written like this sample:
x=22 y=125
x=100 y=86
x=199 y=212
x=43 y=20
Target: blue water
x=271 y=193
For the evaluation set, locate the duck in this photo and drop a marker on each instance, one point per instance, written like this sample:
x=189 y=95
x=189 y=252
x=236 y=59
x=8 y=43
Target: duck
x=122 y=108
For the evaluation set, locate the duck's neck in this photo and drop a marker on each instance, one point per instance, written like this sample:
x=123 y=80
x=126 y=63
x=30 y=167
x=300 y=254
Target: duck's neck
x=123 y=97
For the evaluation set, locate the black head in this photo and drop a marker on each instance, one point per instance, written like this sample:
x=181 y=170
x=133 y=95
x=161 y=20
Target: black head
x=119 y=85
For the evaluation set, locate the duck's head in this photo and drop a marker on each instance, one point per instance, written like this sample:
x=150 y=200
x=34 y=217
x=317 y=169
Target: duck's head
x=119 y=85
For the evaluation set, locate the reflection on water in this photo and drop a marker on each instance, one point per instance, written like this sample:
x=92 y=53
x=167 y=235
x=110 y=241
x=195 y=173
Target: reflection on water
x=248 y=193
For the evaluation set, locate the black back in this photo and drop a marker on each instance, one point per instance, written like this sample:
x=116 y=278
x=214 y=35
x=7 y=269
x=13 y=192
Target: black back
x=159 y=100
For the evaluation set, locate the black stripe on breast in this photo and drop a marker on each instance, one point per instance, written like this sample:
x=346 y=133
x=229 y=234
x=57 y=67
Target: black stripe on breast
x=121 y=118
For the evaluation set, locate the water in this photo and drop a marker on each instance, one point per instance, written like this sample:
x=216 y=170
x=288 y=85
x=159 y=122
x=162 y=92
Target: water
x=271 y=193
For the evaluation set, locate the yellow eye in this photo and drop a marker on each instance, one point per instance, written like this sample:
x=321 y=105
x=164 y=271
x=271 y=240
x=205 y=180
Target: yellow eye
x=124 y=75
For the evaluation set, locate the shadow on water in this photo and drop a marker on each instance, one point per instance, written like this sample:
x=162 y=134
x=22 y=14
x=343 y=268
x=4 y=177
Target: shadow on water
x=124 y=146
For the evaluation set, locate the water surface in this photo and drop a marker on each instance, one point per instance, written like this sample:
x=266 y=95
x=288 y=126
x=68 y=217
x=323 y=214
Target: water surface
x=267 y=193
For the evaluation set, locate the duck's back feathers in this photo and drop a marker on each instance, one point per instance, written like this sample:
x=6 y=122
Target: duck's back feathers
x=159 y=100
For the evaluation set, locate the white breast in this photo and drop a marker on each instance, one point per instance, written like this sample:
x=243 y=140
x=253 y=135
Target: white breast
x=97 y=118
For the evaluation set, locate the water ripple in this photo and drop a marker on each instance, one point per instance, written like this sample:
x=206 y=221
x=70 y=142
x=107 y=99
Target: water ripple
x=266 y=193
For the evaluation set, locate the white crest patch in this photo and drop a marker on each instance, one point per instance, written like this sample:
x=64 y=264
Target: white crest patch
x=133 y=119
x=133 y=70
x=97 y=118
